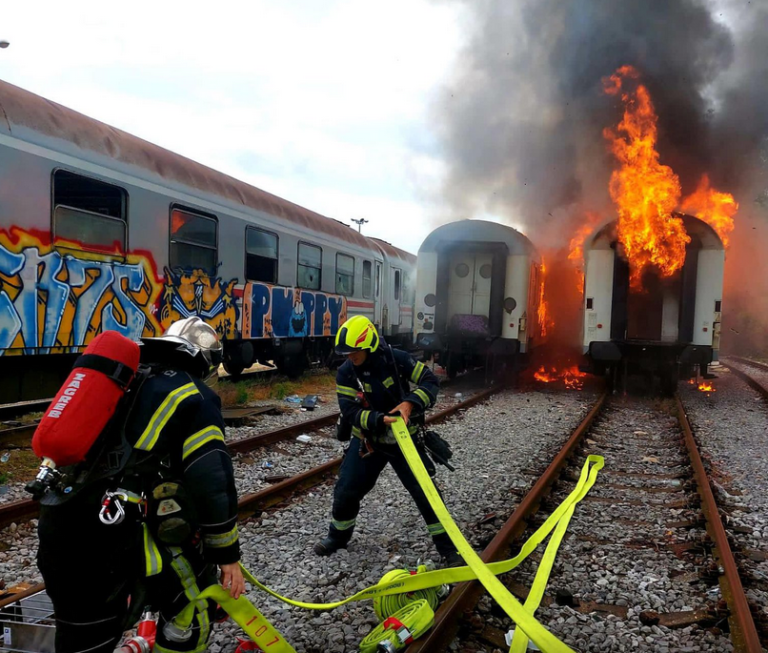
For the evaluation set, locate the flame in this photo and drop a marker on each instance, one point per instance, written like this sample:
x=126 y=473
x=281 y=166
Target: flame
x=576 y=247
x=706 y=387
x=713 y=207
x=570 y=376
x=645 y=191
x=544 y=320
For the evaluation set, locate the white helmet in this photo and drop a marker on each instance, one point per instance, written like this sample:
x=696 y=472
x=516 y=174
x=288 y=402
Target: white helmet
x=196 y=339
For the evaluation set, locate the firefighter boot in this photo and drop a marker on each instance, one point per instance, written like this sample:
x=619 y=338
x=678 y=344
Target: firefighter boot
x=335 y=540
x=449 y=556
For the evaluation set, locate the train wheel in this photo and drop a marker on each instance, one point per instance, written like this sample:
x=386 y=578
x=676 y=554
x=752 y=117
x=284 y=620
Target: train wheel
x=234 y=368
x=292 y=365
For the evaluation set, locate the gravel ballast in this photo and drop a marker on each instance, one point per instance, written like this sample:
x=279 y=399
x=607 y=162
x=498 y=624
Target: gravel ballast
x=496 y=446
x=735 y=451
x=618 y=551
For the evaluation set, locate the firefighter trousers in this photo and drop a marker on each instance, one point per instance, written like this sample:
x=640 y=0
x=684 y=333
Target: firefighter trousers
x=357 y=478
x=93 y=572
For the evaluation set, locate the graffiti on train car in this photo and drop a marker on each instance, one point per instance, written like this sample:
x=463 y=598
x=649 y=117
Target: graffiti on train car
x=195 y=292
x=276 y=311
x=54 y=302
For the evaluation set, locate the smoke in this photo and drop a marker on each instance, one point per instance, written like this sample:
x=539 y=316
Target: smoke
x=521 y=121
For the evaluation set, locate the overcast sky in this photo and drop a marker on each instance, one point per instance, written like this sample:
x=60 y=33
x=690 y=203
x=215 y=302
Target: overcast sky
x=327 y=103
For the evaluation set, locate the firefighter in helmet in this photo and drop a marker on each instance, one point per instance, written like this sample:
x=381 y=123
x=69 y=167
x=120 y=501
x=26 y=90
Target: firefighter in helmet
x=373 y=386
x=177 y=493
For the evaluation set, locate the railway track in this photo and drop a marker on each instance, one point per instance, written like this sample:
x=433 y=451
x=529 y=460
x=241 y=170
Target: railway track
x=596 y=435
x=750 y=380
x=18 y=511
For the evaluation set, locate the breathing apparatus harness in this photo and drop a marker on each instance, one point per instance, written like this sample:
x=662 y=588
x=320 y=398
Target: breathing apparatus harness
x=431 y=446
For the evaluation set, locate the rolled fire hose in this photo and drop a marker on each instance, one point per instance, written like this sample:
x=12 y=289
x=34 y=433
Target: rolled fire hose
x=400 y=629
x=387 y=605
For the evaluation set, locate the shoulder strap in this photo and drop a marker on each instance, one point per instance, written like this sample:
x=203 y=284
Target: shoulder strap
x=115 y=370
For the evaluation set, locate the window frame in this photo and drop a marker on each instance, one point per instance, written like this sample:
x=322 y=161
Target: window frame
x=370 y=280
x=319 y=269
x=276 y=259
x=351 y=293
x=122 y=255
x=175 y=206
x=398 y=285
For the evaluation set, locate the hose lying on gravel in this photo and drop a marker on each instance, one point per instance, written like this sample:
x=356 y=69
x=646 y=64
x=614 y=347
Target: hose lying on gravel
x=388 y=605
x=264 y=634
x=401 y=628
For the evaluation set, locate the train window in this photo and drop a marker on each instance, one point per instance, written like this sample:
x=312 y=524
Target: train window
x=367 y=285
x=345 y=274
x=486 y=271
x=193 y=241
x=260 y=255
x=718 y=304
x=89 y=213
x=309 y=266
x=378 y=279
x=397 y=284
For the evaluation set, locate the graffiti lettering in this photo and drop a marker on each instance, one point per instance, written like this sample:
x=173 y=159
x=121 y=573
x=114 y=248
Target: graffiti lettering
x=276 y=311
x=51 y=302
x=188 y=293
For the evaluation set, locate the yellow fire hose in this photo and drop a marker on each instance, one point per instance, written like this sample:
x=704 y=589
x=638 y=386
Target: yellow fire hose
x=407 y=624
x=394 y=587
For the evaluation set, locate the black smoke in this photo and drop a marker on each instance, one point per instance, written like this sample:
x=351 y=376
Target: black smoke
x=522 y=118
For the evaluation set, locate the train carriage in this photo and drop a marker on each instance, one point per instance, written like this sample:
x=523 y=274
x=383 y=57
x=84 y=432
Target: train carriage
x=102 y=230
x=667 y=328
x=477 y=295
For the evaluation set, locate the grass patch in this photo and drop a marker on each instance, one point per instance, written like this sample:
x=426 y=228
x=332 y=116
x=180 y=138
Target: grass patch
x=322 y=383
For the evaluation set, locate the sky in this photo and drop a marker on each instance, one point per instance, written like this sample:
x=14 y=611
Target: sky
x=330 y=104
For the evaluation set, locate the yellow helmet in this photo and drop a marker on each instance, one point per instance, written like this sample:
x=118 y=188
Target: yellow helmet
x=356 y=334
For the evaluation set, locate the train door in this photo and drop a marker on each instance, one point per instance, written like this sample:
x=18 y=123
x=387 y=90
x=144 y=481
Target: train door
x=469 y=289
x=377 y=317
x=396 y=283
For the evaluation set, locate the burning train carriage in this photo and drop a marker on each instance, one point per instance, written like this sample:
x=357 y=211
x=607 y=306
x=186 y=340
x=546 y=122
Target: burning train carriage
x=477 y=295
x=100 y=230
x=664 y=326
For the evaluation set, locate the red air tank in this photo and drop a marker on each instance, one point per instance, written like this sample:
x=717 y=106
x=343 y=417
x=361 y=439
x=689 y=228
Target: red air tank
x=87 y=400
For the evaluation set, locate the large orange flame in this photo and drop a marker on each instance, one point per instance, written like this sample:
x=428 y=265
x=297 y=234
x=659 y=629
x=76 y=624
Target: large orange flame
x=645 y=191
x=713 y=207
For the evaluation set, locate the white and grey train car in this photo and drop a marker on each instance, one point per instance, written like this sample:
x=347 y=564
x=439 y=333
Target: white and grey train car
x=667 y=329
x=102 y=230
x=477 y=295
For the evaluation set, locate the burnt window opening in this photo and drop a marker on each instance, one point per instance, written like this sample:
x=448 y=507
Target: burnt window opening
x=345 y=274
x=261 y=249
x=309 y=266
x=367 y=280
x=88 y=214
x=194 y=244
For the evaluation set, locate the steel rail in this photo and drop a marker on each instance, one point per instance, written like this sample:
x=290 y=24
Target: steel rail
x=749 y=361
x=743 y=632
x=18 y=437
x=11 y=411
x=465 y=595
x=751 y=382
x=15 y=511
x=253 y=503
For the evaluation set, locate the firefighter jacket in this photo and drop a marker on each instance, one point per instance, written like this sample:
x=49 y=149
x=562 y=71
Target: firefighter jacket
x=378 y=379
x=177 y=421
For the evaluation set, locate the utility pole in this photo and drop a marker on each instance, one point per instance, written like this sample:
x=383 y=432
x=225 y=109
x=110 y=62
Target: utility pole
x=360 y=224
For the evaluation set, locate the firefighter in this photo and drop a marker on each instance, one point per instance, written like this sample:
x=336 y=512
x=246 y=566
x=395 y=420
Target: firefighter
x=373 y=386
x=178 y=496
